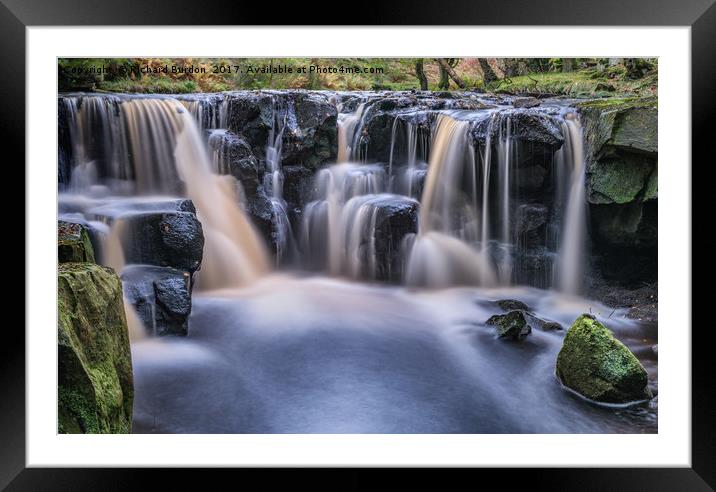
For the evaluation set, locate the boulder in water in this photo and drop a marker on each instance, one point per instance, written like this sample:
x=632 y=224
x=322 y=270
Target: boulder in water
x=512 y=305
x=95 y=385
x=73 y=243
x=172 y=239
x=394 y=220
x=596 y=365
x=526 y=102
x=161 y=297
x=512 y=325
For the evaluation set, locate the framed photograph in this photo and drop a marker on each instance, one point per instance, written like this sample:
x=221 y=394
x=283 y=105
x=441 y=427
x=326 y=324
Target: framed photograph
x=439 y=242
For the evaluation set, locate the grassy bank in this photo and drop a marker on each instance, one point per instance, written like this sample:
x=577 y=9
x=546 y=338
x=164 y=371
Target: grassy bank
x=590 y=77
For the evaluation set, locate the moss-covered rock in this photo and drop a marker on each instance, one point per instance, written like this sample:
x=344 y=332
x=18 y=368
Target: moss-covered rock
x=73 y=243
x=598 y=366
x=512 y=325
x=95 y=385
x=615 y=179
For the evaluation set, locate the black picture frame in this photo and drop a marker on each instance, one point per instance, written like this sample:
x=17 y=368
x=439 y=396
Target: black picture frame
x=700 y=15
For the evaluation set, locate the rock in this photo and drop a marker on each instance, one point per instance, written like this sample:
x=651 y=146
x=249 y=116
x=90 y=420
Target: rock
x=622 y=176
x=235 y=157
x=161 y=296
x=621 y=180
x=527 y=125
x=297 y=186
x=395 y=218
x=636 y=128
x=109 y=212
x=526 y=102
x=598 y=366
x=542 y=324
x=512 y=305
x=73 y=243
x=512 y=325
x=95 y=385
x=172 y=239
x=310 y=134
x=530 y=224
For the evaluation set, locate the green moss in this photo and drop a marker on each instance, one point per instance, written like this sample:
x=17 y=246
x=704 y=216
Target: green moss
x=618 y=180
x=651 y=191
x=596 y=365
x=73 y=243
x=95 y=367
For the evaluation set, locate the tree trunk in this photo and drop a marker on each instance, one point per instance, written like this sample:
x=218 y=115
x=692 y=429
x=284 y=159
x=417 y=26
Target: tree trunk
x=488 y=74
x=444 y=79
x=567 y=64
x=444 y=65
x=420 y=74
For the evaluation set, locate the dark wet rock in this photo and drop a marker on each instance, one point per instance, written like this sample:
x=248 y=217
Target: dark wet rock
x=297 y=186
x=512 y=305
x=161 y=297
x=596 y=365
x=108 y=212
x=526 y=102
x=64 y=145
x=73 y=243
x=261 y=212
x=512 y=325
x=530 y=224
x=95 y=383
x=235 y=157
x=542 y=324
x=527 y=126
x=164 y=239
x=395 y=219
x=310 y=134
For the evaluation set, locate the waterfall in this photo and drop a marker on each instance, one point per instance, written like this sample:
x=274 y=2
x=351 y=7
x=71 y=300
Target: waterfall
x=339 y=226
x=156 y=143
x=233 y=252
x=442 y=254
x=349 y=125
x=572 y=159
x=471 y=190
x=273 y=182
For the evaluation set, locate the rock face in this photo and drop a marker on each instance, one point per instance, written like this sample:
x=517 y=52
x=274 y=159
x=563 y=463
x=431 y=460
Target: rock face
x=512 y=325
x=73 y=243
x=309 y=121
x=161 y=297
x=621 y=140
x=164 y=239
x=95 y=384
x=598 y=366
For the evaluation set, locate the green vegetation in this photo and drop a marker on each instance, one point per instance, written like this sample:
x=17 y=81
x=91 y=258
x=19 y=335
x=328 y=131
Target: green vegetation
x=583 y=77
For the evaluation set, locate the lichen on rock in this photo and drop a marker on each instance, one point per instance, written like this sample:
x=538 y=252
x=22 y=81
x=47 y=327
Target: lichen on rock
x=73 y=243
x=95 y=383
x=596 y=365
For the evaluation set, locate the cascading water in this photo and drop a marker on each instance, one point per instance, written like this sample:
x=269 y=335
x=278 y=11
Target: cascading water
x=356 y=352
x=273 y=181
x=165 y=152
x=233 y=253
x=441 y=255
x=572 y=158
